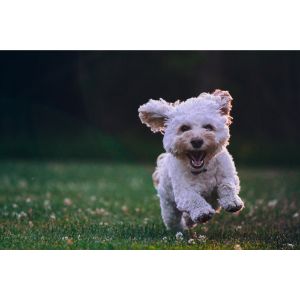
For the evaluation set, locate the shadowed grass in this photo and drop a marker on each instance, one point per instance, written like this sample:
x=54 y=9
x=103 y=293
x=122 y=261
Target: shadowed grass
x=113 y=206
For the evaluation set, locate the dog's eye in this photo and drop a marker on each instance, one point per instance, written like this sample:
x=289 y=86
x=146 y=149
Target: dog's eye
x=184 y=128
x=209 y=127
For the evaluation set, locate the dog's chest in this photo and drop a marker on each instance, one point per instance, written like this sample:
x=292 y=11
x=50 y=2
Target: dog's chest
x=204 y=183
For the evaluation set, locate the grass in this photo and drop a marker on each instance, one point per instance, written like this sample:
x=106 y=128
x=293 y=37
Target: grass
x=113 y=206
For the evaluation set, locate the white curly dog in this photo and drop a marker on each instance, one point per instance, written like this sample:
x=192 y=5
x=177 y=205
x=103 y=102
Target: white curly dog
x=196 y=168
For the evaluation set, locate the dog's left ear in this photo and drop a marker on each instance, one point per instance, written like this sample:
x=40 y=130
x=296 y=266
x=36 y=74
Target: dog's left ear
x=155 y=114
x=224 y=99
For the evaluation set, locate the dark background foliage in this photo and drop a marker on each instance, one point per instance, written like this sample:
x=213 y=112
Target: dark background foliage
x=83 y=105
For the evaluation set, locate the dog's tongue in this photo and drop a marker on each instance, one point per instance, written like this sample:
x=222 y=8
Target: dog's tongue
x=197 y=163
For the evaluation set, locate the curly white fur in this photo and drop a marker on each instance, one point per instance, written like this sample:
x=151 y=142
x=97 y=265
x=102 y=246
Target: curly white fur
x=186 y=186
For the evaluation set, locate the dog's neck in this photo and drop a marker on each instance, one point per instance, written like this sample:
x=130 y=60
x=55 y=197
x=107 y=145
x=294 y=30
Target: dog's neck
x=203 y=170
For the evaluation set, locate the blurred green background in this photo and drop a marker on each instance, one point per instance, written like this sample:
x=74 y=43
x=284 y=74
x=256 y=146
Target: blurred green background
x=82 y=105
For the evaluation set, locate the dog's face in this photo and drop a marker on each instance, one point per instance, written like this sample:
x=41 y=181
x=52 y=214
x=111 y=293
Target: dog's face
x=194 y=130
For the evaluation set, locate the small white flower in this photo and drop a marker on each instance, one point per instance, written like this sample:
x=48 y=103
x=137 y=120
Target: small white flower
x=165 y=239
x=179 y=236
x=68 y=202
x=191 y=242
x=15 y=205
x=202 y=238
x=124 y=209
x=90 y=211
x=101 y=212
x=239 y=227
x=52 y=216
x=272 y=203
x=290 y=246
x=237 y=247
x=28 y=200
x=205 y=228
x=296 y=215
x=21 y=215
x=47 y=204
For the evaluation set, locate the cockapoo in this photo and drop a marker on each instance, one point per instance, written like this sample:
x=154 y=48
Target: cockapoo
x=197 y=167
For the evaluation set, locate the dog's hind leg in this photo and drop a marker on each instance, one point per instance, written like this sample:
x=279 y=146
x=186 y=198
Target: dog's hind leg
x=170 y=214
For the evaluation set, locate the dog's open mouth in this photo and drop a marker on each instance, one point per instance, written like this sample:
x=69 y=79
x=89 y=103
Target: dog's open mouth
x=196 y=158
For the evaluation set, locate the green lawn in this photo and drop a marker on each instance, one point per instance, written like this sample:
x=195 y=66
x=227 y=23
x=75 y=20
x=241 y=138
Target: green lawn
x=114 y=206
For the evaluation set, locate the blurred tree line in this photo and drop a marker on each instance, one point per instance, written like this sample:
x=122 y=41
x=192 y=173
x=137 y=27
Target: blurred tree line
x=83 y=104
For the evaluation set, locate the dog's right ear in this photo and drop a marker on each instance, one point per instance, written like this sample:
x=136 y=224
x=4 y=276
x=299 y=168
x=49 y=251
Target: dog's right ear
x=155 y=114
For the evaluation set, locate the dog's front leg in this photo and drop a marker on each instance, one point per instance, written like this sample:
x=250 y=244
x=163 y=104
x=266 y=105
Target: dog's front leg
x=228 y=184
x=195 y=205
x=228 y=197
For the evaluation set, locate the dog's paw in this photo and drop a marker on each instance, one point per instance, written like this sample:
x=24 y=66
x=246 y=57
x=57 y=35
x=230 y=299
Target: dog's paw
x=203 y=214
x=232 y=204
x=187 y=222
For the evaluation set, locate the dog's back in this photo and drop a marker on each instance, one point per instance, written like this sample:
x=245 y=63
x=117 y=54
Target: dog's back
x=156 y=173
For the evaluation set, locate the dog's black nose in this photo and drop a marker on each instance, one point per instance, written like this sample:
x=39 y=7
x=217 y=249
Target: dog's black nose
x=197 y=143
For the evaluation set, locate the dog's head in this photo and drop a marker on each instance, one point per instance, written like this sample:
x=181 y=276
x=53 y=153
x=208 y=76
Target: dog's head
x=194 y=130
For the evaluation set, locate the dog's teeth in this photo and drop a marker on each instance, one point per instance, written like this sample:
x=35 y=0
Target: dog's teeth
x=197 y=163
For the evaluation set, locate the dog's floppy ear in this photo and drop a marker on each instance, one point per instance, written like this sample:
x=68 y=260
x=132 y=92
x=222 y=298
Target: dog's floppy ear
x=155 y=113
x=224 y=99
